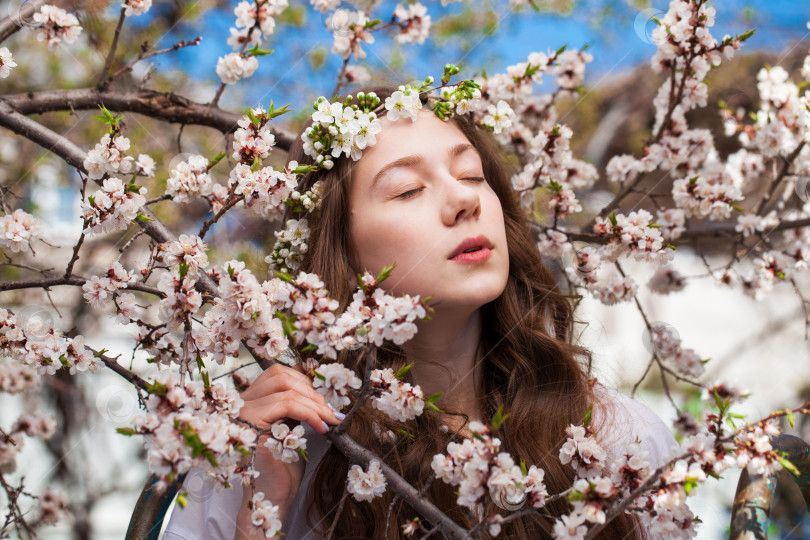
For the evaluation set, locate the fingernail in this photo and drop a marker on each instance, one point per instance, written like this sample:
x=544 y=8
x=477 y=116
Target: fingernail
x=339 y=415
x=325 y=425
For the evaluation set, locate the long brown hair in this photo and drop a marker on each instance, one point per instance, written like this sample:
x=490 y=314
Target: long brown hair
x=528 y=360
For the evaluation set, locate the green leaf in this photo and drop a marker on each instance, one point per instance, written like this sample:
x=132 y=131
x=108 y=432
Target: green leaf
x=588 y=416
x=498 y=418
x=403 y=370
x=273 y=112
x=128 y=431
x=613 y=220
x=747 y=34
x=101 y=353
x=560 y=50
x=788 y=466
x=524 y=471
x=143 y=218
x=404 y=433
x=183 y=268
x=791 y=419
x=385 y=273
x=216 y=160
x=433 y=398
x=434 y=408
x=181 y=500
x=256 y=51
x=321 y=377
x=302 y=453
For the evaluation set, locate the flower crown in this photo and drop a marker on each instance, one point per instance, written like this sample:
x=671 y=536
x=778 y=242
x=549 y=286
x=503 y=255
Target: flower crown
x=346 y=128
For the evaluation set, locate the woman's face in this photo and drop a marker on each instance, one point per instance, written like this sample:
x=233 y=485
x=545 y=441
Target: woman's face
x=416 y=195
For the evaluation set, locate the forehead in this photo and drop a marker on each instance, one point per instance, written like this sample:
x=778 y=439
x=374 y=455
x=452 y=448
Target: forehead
x=427 y=136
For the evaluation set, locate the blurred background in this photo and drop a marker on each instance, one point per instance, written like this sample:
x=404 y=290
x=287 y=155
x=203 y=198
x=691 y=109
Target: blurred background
x=761 y=345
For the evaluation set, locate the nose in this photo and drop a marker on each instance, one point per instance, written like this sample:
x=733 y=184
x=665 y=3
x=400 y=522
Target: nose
x=461 y=202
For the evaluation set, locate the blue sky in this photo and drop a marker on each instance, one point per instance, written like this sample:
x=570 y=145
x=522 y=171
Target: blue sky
x=617 y=43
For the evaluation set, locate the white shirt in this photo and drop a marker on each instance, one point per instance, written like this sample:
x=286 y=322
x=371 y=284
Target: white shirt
x=211 y=511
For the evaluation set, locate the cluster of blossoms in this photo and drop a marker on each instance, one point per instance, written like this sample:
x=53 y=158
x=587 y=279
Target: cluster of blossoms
x=290 y=247
x=53 y=506
x=667 y=343
x=16 y=378
x=345 y=128
x=254 y=21
x=253 y=140
x=365 y=485
x=189 y=178
x=109 y=157
x=112 y=207
x=634 y=233
x=264 y=189
x=747 y=224
x=182 y=300
x=136 y=7
x=42 y=348
x=6 y=62
x=605 y=283
x=244 y=310
x=399 y=400
x=191 y=424
x=552 y=166
x=350 y=29
x=666 y=280
x=17 y=230
x=235 y=66
x=286 y=444
x=56 y=25
x=265 y=515
x=478 y=467
x=581 y=450
x=39 y=426
x=373 y=316
x=188 y=250
x=98 y=290
x=334 y=381
x=414 y=23
x=782 y=121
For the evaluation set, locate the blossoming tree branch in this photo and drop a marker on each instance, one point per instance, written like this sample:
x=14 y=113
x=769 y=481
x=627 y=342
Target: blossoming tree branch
x=188 y=314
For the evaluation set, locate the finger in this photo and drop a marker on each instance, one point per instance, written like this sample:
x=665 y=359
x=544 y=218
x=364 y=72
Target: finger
x=284 y=382
x=277 y=378
x=289 y=404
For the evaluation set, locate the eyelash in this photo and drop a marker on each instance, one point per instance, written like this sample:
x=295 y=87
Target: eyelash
x=412 y=192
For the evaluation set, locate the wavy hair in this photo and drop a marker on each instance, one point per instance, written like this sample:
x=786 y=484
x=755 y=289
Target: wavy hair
x=528 y=360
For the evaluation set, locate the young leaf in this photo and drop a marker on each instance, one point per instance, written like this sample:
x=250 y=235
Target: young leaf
x=403 y=370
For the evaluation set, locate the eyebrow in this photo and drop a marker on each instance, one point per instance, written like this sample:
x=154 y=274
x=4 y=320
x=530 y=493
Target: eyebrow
x=415 y=160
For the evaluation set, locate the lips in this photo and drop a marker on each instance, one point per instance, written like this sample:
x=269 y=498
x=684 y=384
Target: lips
x=472 y=243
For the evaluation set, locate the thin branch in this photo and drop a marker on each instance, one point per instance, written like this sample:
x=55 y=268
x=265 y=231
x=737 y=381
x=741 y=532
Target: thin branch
x=337 y=514
x=209 y=222
x=103 y=81
x=75 y=256
x=68 y=280
x=144 y=55
x=779 y=177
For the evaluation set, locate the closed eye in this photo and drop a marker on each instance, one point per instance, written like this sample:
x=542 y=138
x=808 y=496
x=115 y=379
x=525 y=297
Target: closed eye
x=410 y=193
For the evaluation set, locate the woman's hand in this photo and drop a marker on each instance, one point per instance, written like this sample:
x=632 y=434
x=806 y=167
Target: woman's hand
x=279 y=392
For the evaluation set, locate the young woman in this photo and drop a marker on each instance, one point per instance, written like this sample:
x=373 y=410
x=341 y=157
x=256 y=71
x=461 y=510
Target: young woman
x=500 y=334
